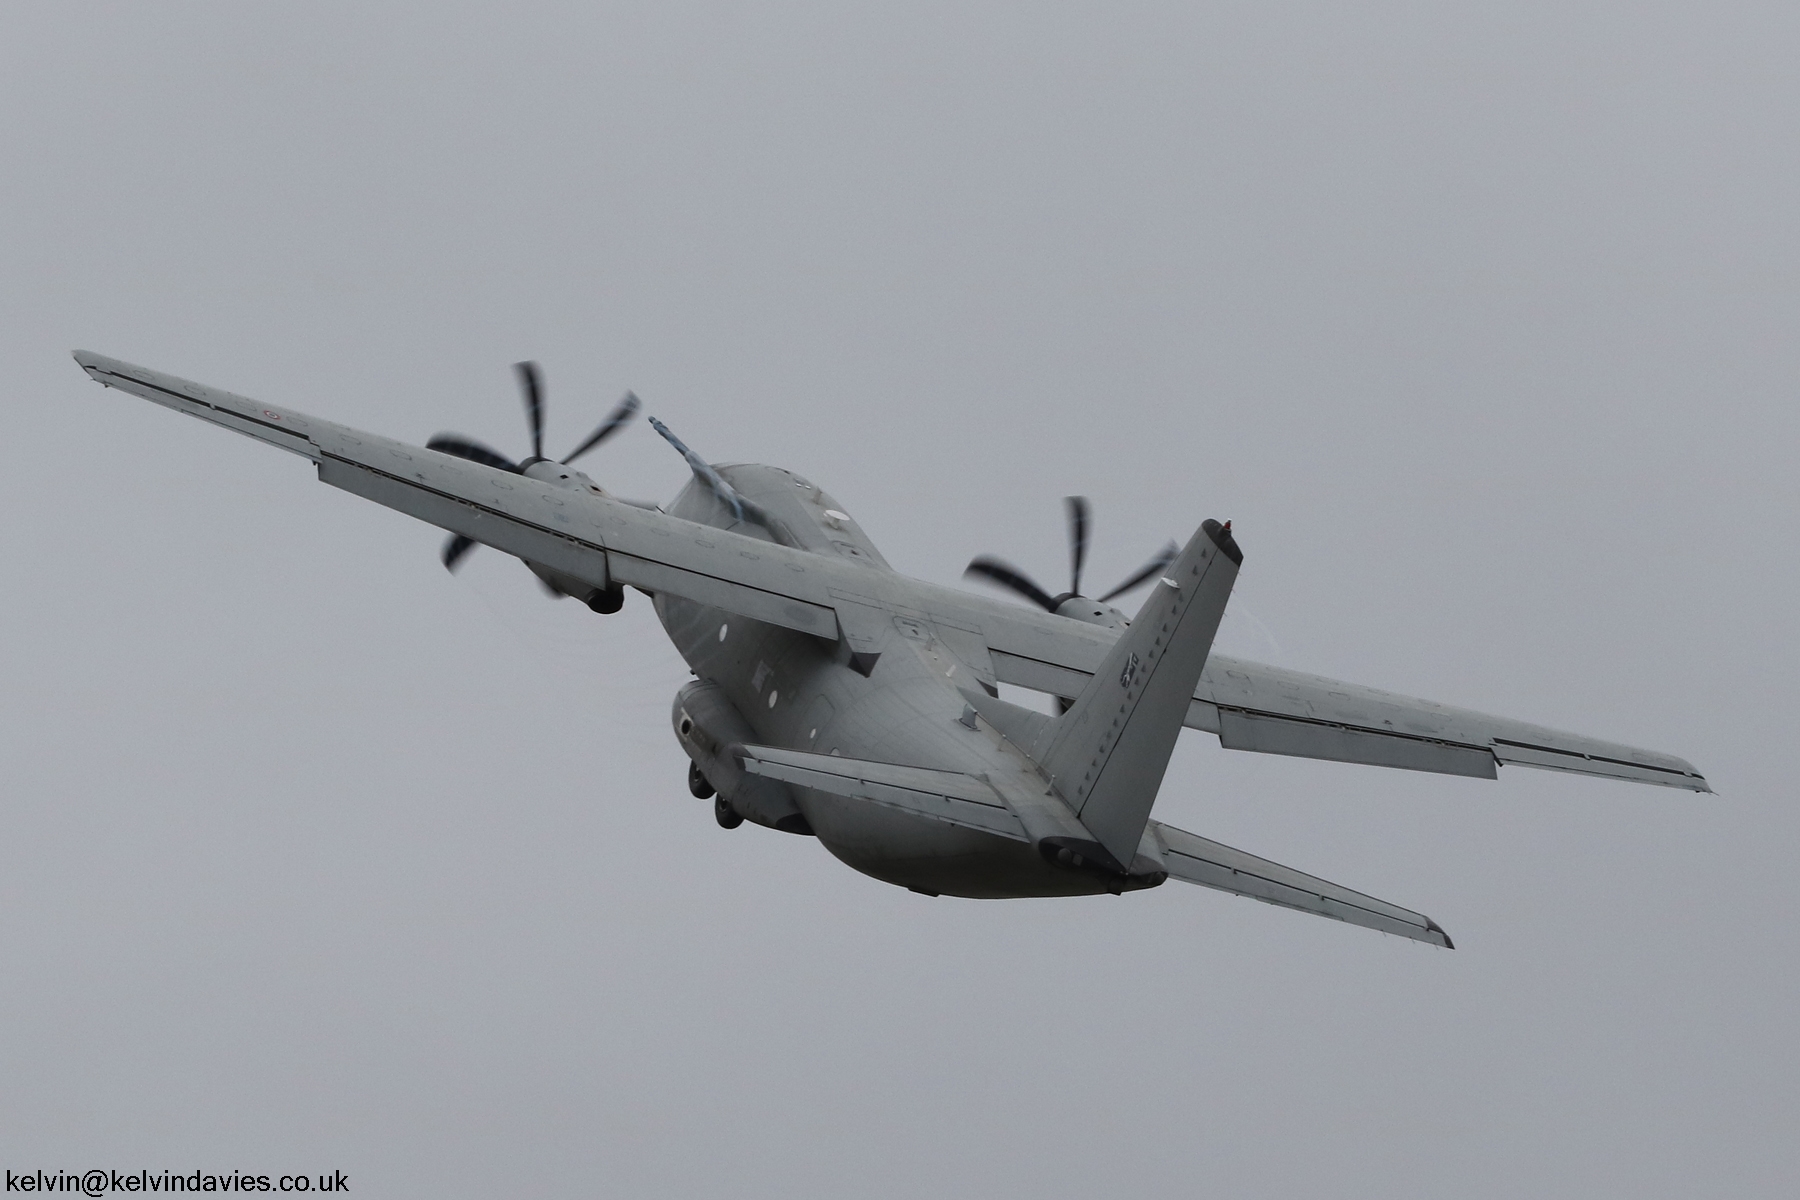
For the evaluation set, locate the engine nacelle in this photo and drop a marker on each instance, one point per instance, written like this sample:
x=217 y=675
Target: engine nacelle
x=609 y=599
x=1080 y=608
x=708 y=724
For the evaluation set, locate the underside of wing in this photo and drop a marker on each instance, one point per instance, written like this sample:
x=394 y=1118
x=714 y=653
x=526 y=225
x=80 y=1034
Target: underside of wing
x=1194 y=859
x=289 y=430
x=1251 y=706
x=1274 y=711
x=593 y=539
x=947 y=796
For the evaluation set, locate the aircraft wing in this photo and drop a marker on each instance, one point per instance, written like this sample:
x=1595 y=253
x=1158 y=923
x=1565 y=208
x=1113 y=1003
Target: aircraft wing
x=590 y=537
x=948 y=796
x=1256 y=707
x=1267 y=709
x=1195 y=859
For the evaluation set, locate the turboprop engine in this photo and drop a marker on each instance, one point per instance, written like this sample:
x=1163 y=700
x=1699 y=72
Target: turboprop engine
x=556 y=473
x=708 y=724
x=1072 y=603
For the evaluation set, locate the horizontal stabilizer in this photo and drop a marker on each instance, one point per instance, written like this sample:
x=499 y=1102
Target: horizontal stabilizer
x=947 y=796
x=1210 y=864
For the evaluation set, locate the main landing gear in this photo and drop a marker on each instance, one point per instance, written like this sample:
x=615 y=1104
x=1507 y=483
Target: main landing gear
x=727 y=816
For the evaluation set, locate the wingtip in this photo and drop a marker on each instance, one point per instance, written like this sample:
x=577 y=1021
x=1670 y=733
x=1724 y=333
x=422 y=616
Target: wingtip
x=1434 y=927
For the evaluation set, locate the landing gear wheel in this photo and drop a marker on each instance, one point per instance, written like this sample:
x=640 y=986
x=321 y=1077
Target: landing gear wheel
x=697 y=783
x=727 y=816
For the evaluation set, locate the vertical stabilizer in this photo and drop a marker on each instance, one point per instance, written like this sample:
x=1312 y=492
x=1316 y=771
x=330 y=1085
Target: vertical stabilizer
x=1108 y=753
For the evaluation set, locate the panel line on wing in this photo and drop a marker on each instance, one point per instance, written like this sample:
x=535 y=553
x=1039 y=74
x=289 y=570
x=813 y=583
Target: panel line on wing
x=654 y=575
x=285 y=432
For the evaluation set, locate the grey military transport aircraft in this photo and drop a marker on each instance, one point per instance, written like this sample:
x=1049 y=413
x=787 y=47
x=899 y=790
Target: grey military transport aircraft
x=836 y=698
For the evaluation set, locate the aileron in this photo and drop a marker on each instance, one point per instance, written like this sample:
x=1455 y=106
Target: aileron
x=1239 y=729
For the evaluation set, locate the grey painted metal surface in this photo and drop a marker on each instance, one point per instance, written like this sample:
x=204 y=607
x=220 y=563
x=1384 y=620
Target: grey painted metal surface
x=1109 y=751
x=839 y=698
x=948 y=796
x=1199 y=860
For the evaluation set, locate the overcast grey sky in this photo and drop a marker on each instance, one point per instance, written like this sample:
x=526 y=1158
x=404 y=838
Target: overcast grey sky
x=1479 y=323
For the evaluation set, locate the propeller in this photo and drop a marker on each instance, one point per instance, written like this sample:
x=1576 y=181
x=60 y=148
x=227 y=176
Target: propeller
x=531 y=384
x=996 y=570
x=728 y=496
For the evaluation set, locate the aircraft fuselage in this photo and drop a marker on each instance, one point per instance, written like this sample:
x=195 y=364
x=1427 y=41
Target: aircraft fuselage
x=803 y=693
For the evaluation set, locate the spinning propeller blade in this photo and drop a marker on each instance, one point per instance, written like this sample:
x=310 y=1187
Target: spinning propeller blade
x=455 y=548
x=986 y=566
x=1077 y=507
x=533 y=388
x=531 y=383
x=703 y=471
x=1160 y=562
x=462 y=447
x=627 y=409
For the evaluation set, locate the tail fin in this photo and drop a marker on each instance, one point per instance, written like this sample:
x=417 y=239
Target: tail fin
x=1108 y=753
